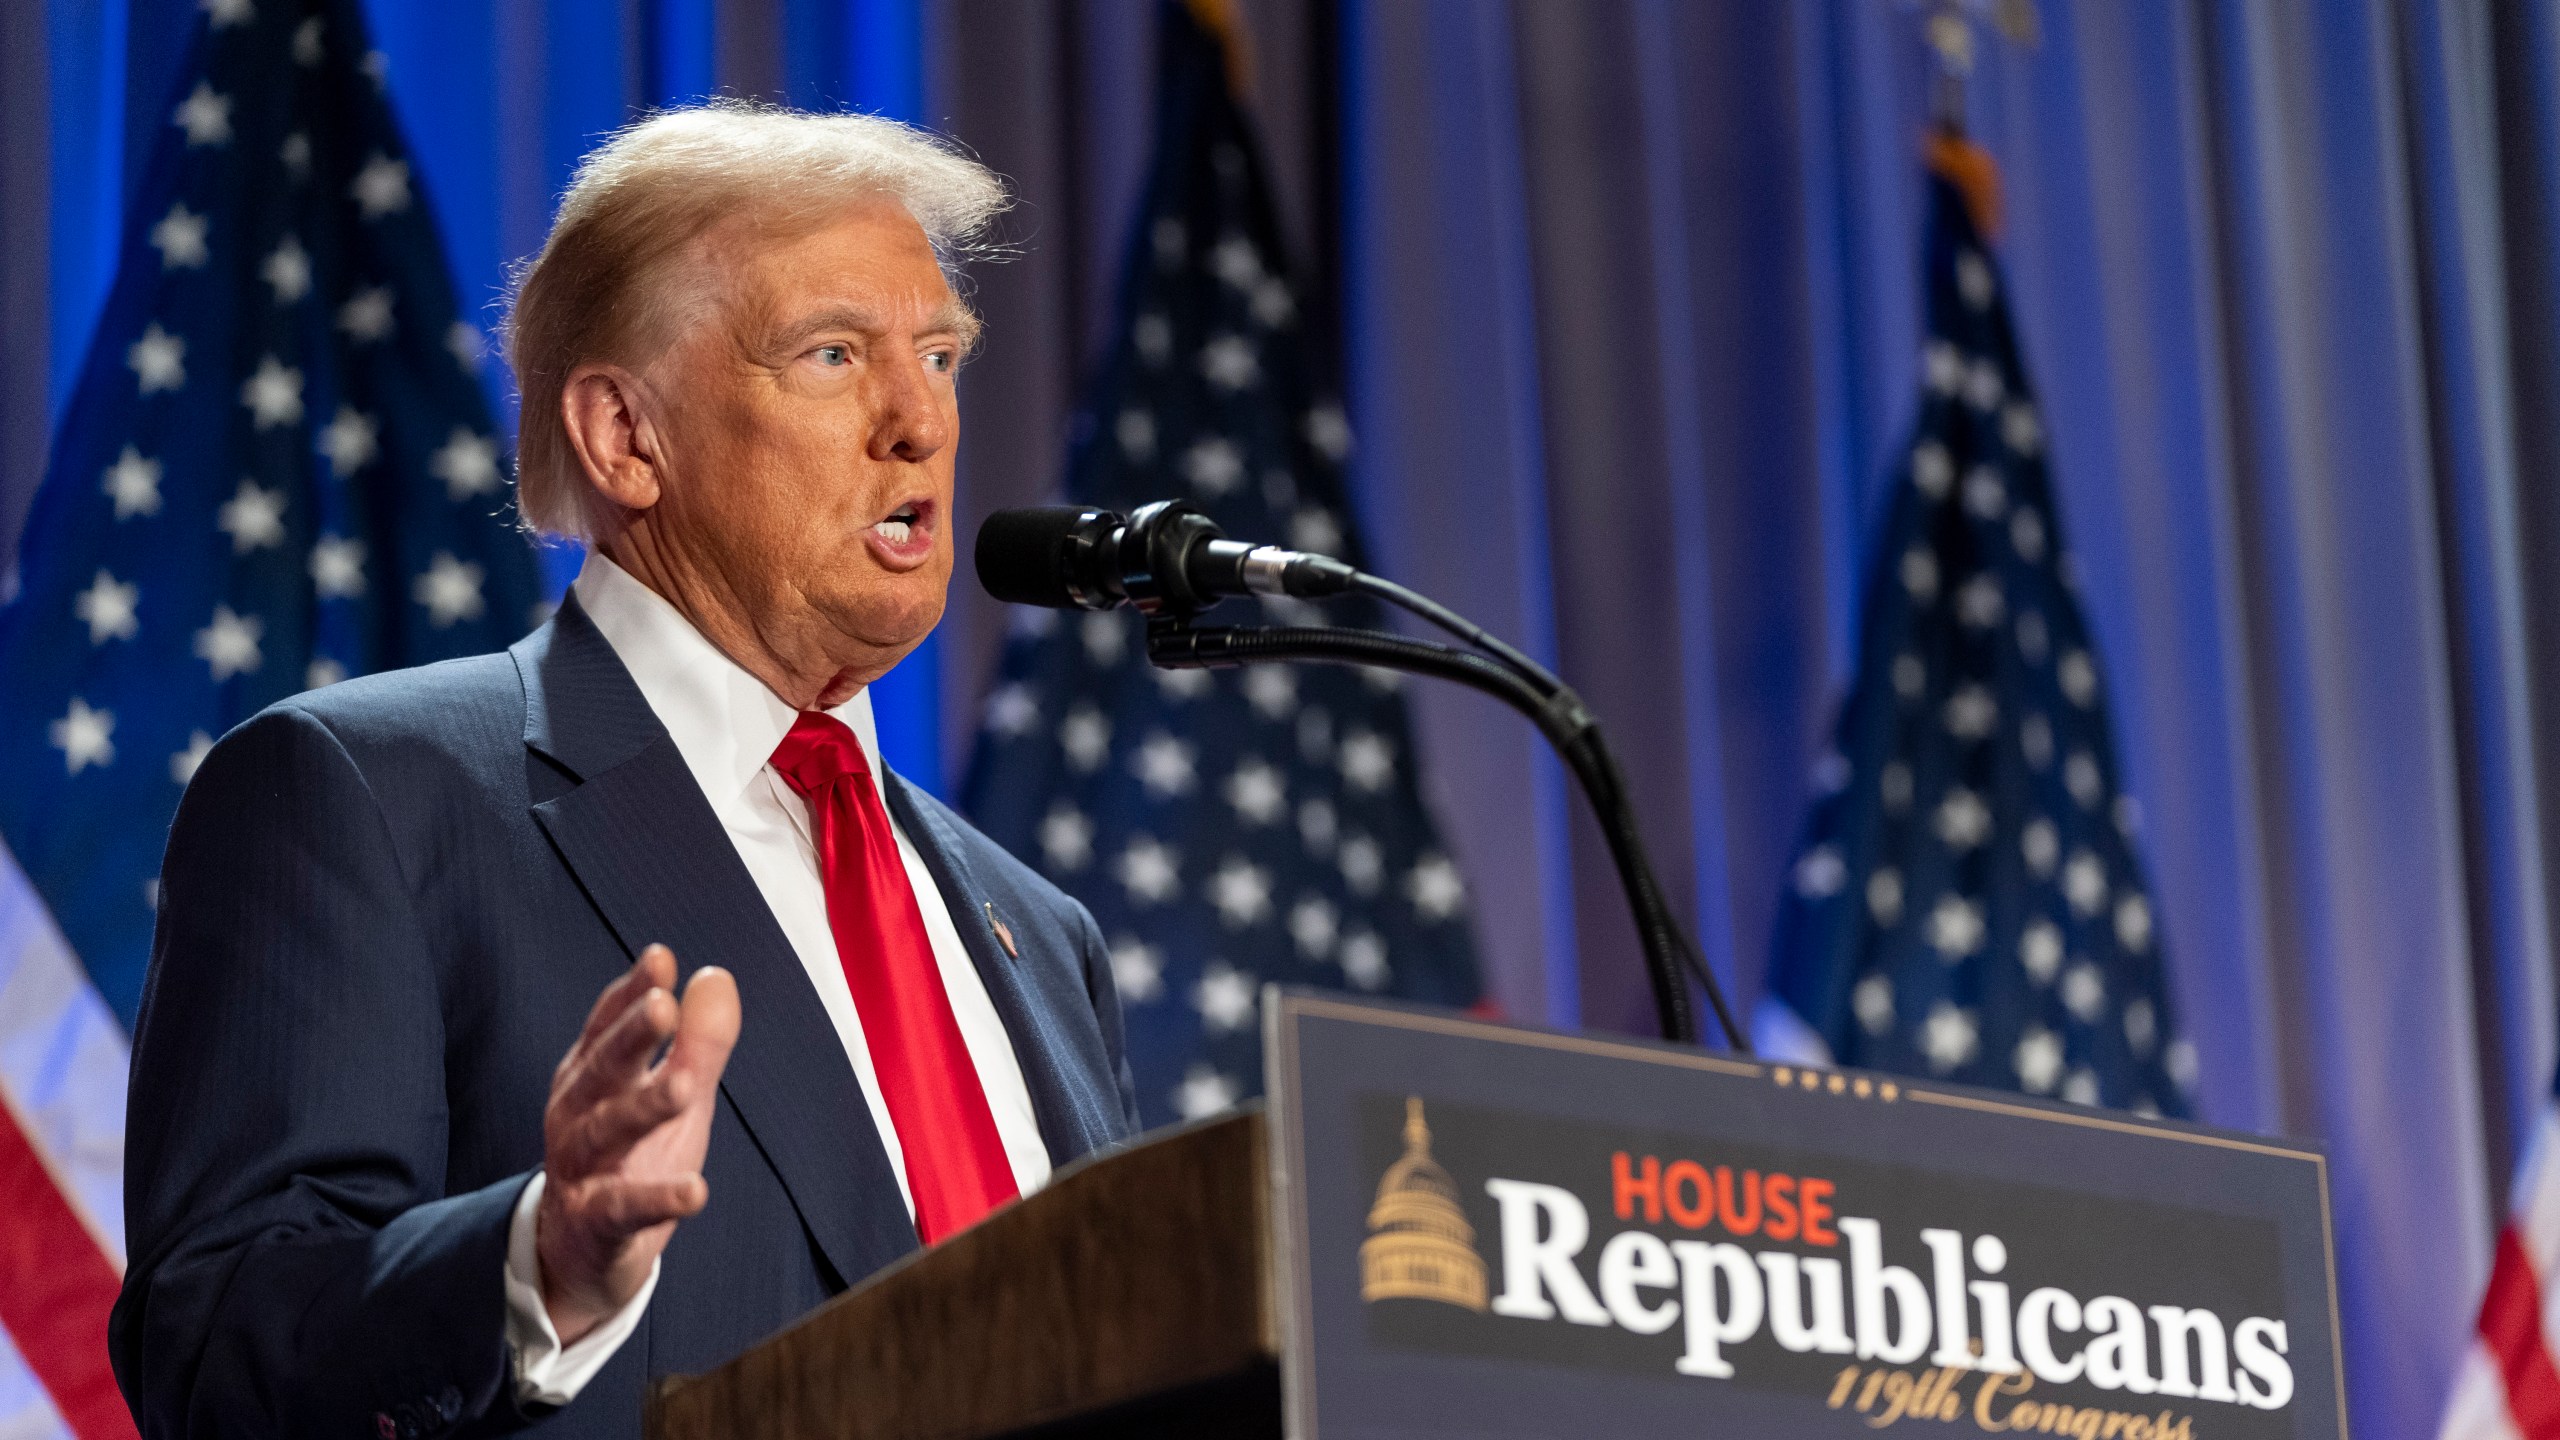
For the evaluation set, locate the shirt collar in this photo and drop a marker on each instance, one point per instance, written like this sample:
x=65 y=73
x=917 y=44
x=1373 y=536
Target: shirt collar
x=724 y=721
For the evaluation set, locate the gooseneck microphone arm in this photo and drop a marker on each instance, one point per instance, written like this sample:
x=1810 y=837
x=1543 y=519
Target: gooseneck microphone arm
x=1174 y=643
x=1170 y=562
x=1587 y=752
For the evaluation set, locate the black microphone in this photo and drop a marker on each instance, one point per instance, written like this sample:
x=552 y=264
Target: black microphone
x=1164 y=558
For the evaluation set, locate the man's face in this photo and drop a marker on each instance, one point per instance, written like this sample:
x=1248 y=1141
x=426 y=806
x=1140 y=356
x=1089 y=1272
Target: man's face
x=810 y=426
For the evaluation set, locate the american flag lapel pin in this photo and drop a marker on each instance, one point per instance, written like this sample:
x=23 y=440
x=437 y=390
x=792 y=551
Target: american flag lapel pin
x=1004 y=932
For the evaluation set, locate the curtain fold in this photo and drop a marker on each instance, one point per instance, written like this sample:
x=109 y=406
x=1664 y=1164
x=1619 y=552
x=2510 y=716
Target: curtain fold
x=2355 y=714
x=26 y=313
x=2450 y=100
x=1449 y=459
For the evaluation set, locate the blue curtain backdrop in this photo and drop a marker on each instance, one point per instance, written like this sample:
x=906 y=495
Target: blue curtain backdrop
x=1626 y=298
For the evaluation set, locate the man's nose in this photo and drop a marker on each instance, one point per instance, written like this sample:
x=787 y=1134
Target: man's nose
x=912 y=424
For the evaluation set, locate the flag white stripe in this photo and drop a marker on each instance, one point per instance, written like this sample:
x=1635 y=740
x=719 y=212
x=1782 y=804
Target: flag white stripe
x=2535 y=1207
x=63 y=1059
x=1779 y=1033
x=2535 y=1218
x=26 y=1412
x=2479 y=1407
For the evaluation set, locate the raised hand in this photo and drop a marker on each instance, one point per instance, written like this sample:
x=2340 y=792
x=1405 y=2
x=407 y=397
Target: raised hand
x=623 y=1138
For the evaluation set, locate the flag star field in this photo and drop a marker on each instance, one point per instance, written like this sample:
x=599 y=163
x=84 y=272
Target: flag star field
x=275 y=469
x=1968 y=903
x=1228 y=828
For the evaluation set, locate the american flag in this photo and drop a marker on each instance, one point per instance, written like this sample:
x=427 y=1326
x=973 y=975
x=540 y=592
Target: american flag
x=1227 y=828
x=2509 y=1384
x=1967 y=902
x=277 y=470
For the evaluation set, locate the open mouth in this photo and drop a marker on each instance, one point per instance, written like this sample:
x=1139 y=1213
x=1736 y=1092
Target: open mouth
x=903 y=539
x=900 y=528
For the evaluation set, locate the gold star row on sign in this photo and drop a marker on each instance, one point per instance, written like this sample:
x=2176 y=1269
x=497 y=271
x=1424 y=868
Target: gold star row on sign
x=1859 y=1086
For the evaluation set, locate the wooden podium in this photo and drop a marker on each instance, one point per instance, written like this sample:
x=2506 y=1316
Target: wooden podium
x=1132 y=1296
x=1441 y=1228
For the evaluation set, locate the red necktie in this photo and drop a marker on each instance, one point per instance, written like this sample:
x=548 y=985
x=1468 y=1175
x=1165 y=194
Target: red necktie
x=956 y=1166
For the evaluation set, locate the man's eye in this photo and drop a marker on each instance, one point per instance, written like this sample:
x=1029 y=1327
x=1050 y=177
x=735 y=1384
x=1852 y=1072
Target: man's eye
x=941 y=362
x=835 y=355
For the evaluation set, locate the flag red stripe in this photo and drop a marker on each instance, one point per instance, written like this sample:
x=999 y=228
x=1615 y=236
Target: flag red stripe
x=2511 y=1324
x=56 y=1287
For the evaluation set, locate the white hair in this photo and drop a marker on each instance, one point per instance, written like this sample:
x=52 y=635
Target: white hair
x=599 y=291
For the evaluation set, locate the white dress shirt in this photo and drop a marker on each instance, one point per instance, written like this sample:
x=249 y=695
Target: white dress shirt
x=726 y=724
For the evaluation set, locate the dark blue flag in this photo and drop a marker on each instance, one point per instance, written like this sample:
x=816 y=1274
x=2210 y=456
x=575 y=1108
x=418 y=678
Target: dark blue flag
x=1968 y=903
x=1227 y=828
x=277 y=470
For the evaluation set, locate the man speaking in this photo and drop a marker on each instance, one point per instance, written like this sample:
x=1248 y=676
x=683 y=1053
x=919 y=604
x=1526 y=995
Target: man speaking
x=524 y=1027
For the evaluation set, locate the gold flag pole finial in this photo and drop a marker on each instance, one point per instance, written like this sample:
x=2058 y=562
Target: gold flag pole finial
x=1952 y=156
x=1220 y=18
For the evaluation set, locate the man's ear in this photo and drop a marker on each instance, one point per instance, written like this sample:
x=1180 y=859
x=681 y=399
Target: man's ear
x=605 y=410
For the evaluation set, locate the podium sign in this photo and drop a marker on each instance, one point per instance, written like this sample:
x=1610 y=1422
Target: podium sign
x=1488 y=1231
x=1446 y=1228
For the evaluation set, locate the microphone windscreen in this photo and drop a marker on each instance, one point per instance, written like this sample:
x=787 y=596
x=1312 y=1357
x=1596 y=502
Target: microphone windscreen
x=1030 y=556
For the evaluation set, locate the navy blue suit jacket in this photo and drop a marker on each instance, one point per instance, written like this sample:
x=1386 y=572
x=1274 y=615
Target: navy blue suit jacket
x=386 y=910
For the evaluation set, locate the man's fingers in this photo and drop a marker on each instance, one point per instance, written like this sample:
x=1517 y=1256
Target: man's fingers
x=597 y=1139
x=617 y=1059
x=654 y=970
x=614 y=1099
x=706 y=1030
x=610 y=1003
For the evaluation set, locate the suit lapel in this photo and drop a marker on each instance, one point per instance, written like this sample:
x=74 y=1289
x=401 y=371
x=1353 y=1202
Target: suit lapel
x=1072 y=1117
x=647 y=848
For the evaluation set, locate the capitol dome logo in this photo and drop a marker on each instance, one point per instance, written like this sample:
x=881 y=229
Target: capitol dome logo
x=1420 y=1246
